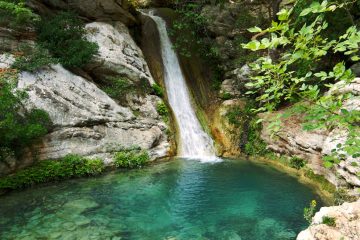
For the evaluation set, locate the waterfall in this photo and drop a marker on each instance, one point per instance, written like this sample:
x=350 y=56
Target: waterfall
x=194 y=142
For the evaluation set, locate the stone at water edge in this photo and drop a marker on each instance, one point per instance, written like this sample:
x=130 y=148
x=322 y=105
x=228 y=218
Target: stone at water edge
x=347 y=223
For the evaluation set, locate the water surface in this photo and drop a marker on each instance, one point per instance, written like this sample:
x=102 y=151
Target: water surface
x=179 y=200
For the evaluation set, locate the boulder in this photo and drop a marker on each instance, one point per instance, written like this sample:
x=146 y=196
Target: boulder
x=118 y=53
x=235 y=81
x=346 y=226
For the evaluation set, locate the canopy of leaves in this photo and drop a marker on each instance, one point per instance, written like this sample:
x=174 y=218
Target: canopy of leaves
x=303 y=72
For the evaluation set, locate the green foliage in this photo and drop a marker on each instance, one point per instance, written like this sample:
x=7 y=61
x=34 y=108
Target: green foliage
x=330 y=221
x=255 y=145
x=117 y=88
x=131 y=158
x=297 y=163
x=19 y=127
x=162 y=109
x=64 y=36
x=192 y=37
x=53 y=170
x=159 y=91
x=33 y=59
x=225 y=96
x=235 y=116
x=310 y=211
x=277 y=80
x=16 y=14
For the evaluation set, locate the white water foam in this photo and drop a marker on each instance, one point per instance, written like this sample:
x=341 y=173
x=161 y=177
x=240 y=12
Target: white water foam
x=194 y=142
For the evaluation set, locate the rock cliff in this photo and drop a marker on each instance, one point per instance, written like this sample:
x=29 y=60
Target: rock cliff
x=86 y=121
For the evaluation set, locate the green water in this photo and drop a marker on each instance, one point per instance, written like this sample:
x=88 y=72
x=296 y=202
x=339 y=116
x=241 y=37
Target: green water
x=179 y=200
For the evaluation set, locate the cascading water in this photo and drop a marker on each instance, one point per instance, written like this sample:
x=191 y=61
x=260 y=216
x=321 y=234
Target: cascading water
x=194 y=142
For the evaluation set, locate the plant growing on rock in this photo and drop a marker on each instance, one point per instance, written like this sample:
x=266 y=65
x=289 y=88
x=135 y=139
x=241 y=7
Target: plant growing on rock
x=64 y=36
x=131 y=158
x=159 y=91
x=16 y=14
x=117 y=87
x=19 y=127
x=33 y=58
x=310 y=211
x=162 y=109
x=277 y=82
x=53 y=170
x=330 y=221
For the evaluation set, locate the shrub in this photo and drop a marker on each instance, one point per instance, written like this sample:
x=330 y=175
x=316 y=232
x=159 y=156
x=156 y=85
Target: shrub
x=159 y=91
x=310 y=211
x=297 y=163
x=117 y=87
x=132 y=158
x=19 y=127
x=64 y=36
x=330 y=221
x=33 y=59
x=53 y=170
x=16 y=14
x=162 y=109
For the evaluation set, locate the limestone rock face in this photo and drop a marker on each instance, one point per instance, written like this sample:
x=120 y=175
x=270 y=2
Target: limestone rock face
x=98 y=10
x=86 y=121
x=313 y=145
x=118 y=53
x=347 y=223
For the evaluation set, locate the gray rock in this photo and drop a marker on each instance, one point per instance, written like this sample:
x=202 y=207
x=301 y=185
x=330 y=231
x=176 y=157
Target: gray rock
x=356 y=69
x=235 y=81
x=313 y=145
x=347 y=223
x=118 y=53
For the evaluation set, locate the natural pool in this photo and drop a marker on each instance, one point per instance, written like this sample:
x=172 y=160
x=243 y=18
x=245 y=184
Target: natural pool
x=180 y=199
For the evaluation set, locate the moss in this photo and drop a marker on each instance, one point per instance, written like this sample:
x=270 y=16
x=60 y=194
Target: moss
x=325 y=184
x=132 y=158
x=201 y=115
x=53 y=170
